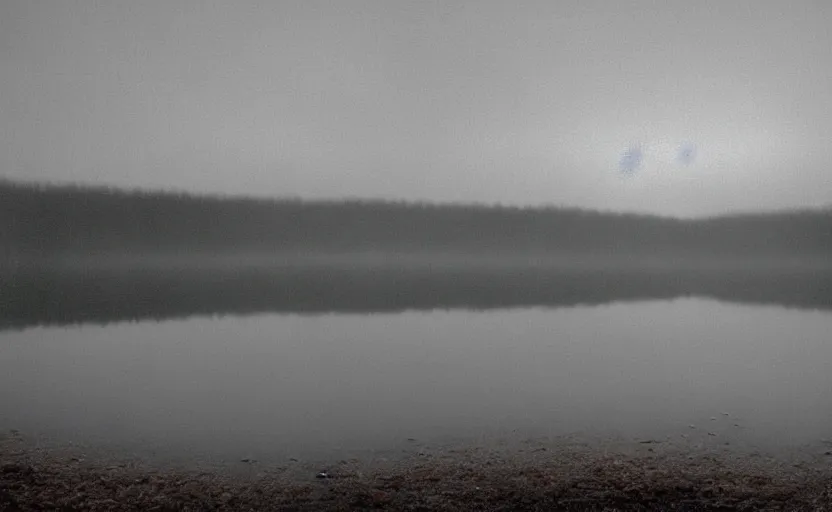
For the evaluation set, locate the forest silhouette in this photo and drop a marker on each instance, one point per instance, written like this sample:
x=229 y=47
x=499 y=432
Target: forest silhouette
x=43 y=221
x=75 y=254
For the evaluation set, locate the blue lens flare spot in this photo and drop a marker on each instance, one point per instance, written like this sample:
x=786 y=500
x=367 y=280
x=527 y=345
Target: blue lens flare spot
x=631 y=160
x=686 y=154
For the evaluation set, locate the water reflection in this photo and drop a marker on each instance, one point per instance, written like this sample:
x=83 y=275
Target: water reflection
x=278 y=386
x=111 y=294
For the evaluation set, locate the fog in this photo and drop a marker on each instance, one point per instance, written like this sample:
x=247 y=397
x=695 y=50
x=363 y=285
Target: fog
x=297 y=232
x=533 y=103
x=75 y=255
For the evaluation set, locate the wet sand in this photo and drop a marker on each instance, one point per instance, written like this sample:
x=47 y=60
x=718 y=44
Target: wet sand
x=542 y=474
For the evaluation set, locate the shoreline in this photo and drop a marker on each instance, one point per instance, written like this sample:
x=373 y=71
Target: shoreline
x=527 y=475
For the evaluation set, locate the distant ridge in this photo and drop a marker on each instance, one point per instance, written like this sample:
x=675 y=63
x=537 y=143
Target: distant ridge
x=137 y=191
x=39 y=219
x=181 y=194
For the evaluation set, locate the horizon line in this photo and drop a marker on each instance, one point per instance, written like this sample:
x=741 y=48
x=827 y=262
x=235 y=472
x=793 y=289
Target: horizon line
x=368 y=200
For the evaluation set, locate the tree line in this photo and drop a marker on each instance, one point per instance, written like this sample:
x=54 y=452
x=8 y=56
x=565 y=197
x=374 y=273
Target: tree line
x=48 y=220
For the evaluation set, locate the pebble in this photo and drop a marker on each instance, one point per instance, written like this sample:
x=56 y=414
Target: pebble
x=13 y=468
x=381 y=498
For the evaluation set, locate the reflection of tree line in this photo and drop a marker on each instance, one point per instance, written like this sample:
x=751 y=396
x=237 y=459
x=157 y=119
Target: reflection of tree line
x=131 y=255
x=46 y=221
x=66 y=297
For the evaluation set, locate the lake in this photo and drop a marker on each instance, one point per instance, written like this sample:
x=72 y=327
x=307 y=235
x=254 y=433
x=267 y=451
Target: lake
x=273 y=385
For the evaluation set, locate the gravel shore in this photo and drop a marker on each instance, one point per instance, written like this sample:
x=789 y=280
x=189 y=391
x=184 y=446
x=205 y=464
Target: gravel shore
x=647 y=475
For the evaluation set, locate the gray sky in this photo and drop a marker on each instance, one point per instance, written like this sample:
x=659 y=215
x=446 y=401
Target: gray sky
x=489 y=101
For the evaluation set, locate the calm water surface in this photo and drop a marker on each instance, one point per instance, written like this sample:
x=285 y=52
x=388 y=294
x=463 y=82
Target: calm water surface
x=303 y=385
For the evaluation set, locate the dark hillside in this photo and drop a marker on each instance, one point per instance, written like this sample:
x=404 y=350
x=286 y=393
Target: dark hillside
x=42 y=220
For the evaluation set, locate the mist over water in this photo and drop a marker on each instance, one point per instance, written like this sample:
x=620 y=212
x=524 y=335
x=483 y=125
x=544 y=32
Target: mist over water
x=532 y=255
x=202 y=328
x=131 y=288
x=273 y=386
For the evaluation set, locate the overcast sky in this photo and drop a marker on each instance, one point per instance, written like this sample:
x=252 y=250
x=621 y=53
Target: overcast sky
x=479 y=101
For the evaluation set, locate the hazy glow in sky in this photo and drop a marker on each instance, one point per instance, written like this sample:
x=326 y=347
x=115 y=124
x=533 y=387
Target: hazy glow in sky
x=472 y=100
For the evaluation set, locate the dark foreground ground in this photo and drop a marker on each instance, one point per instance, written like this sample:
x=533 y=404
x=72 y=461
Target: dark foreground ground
x=535 y=478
